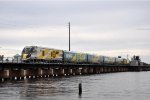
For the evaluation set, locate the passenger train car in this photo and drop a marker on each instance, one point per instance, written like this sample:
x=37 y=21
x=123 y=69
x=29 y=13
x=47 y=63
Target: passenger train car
x=50 y=55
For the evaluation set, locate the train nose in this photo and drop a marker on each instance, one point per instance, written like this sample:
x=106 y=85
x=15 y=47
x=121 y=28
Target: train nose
x=24 y=56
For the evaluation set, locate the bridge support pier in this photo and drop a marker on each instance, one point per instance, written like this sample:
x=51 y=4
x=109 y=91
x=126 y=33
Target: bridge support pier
x=113 y=69
x=77 y=71
x=6 y=73
x=62 y=72
x=68 y=71
x=40 y=72
x=59 y=72
x=50 y=72
x=84 y=71
x=101 y=70
x=90 y=70
x=109 y=69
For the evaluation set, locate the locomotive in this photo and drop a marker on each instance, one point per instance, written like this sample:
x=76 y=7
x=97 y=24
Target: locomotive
x=50 y=55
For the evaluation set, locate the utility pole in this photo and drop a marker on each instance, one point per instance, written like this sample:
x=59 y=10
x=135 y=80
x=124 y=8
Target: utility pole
x=69 y=36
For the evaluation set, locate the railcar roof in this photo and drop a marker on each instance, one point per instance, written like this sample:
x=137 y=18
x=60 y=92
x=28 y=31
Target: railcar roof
x=41 y=47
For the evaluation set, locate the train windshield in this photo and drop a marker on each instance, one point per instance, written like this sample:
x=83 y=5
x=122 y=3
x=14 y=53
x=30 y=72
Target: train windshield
x=28 y=50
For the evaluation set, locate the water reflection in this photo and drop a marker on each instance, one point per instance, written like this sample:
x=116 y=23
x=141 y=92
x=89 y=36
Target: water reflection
x=115 y=86
x=46 y=87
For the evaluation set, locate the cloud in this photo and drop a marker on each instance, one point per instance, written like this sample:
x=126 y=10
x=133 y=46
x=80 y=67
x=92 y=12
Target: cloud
x=110 y=14
x=104 y=27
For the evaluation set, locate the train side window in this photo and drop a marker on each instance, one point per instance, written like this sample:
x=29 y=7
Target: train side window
x=43 y=53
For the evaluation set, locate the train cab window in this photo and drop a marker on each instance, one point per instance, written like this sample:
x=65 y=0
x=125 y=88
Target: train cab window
x=33 y=50
x=43 y=53
x=23 y=50
x=26 y=50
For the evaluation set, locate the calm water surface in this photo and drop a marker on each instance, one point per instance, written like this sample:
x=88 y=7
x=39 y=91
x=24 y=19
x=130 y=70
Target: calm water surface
x=112 y=86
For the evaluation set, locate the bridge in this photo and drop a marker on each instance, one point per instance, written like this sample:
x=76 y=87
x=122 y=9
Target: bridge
x=17 y=70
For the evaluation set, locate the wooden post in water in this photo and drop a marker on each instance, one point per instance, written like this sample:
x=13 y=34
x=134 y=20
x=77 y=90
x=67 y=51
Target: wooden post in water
x=80 y=89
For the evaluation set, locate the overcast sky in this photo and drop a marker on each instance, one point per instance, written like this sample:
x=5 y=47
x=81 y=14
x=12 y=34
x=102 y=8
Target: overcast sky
x=105 y=27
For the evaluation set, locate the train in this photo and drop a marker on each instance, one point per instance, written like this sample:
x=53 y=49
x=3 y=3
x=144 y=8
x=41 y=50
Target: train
x=50 y=55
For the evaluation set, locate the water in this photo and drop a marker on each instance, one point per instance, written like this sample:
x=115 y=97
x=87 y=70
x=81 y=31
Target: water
x=112 y=86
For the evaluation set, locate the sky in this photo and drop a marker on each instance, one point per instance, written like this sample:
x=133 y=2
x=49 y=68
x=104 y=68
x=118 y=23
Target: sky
x=104 y=27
